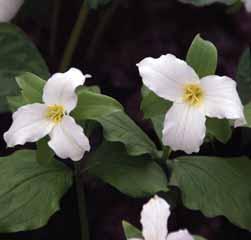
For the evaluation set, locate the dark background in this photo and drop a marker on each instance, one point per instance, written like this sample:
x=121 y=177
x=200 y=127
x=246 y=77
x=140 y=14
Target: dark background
x=114 y=39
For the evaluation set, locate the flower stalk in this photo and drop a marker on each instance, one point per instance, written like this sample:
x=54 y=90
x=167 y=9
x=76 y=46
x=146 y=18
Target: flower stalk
x=74 y=37
x=81 y=203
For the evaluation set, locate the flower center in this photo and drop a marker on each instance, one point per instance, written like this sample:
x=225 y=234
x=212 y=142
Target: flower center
x=55 y=113
x=193 y=94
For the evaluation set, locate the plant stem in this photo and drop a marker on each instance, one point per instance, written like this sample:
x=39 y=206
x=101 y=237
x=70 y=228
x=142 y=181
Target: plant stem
x=54 y=27
x=81 y=203
x=75 y=34
x=100 y=30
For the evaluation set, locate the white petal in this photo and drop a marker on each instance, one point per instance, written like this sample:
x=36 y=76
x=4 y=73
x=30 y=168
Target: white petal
x=222 y=99
x=166 y=75
x=184 y=128
x=180 y=235
x=154 y=218
x=8 y=9
x=68 y=140
x=60 y=88
x=248 y=5
x=29 y=125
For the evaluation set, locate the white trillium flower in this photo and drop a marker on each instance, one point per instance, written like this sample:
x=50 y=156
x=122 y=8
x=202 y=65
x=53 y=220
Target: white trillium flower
x=247 y=4
x=154 y=219
x=34 y=121
x=9 y=8
x=193 y=99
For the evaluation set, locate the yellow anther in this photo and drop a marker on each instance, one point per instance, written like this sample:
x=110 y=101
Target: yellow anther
x=55 y=113
x=193 y=94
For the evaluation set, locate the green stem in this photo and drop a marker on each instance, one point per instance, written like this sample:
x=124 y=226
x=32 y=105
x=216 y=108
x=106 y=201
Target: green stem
x=81 y=203
x=54 y=27
x=100 y=30
x=73 y=41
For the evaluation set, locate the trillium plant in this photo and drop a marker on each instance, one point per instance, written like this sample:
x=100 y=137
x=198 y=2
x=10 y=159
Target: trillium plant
x=63 y=133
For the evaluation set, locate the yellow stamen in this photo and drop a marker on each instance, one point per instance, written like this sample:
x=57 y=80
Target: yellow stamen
x=193 y=94
x=55 y=113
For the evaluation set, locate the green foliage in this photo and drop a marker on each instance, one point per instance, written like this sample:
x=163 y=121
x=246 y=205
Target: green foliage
x=18 y=55
x=219 y=128
x=31 y=87
x=131 y=231
x=202 y=57
x=135 y=176
x=154 y=108
x=216 y=186
x=44 y=154
x=201 y=3
x=105 y=110
x=198 y=238
x=94 y=4
x=32 y=192
x=117 y=126
x=247 y=112
x=244 y=76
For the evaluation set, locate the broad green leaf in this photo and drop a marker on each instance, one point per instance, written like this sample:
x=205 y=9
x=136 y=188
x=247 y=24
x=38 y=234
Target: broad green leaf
x=94 y=4
x=17 y=55
x=219 y=128
x=202 y=57
x=247 y=113
x=201 y=3
x=131 y=231
x=244 y=77
x=216 y=186
x=135 y=176
x=117 y=126
x=154 y=108
x=30 y=193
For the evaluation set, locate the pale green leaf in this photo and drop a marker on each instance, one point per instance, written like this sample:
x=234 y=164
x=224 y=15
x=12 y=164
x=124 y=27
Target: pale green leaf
x=131 y=231
x=202 y=57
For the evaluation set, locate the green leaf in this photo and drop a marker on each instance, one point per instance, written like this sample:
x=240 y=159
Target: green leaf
x=94 y=4
x=201 y=3
x=154 y=108
x=30 y=193
x=216 y=186
x=219 y=128
x=135 y=176
x=244 y=76
x=247 y=113
x=131 y=231
x=44 y=154
x=94 y=106
x=15 y=102
x=202 y=57
x=31 y=87
x=198 y=237
x=117 y=126
x=18 y=55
